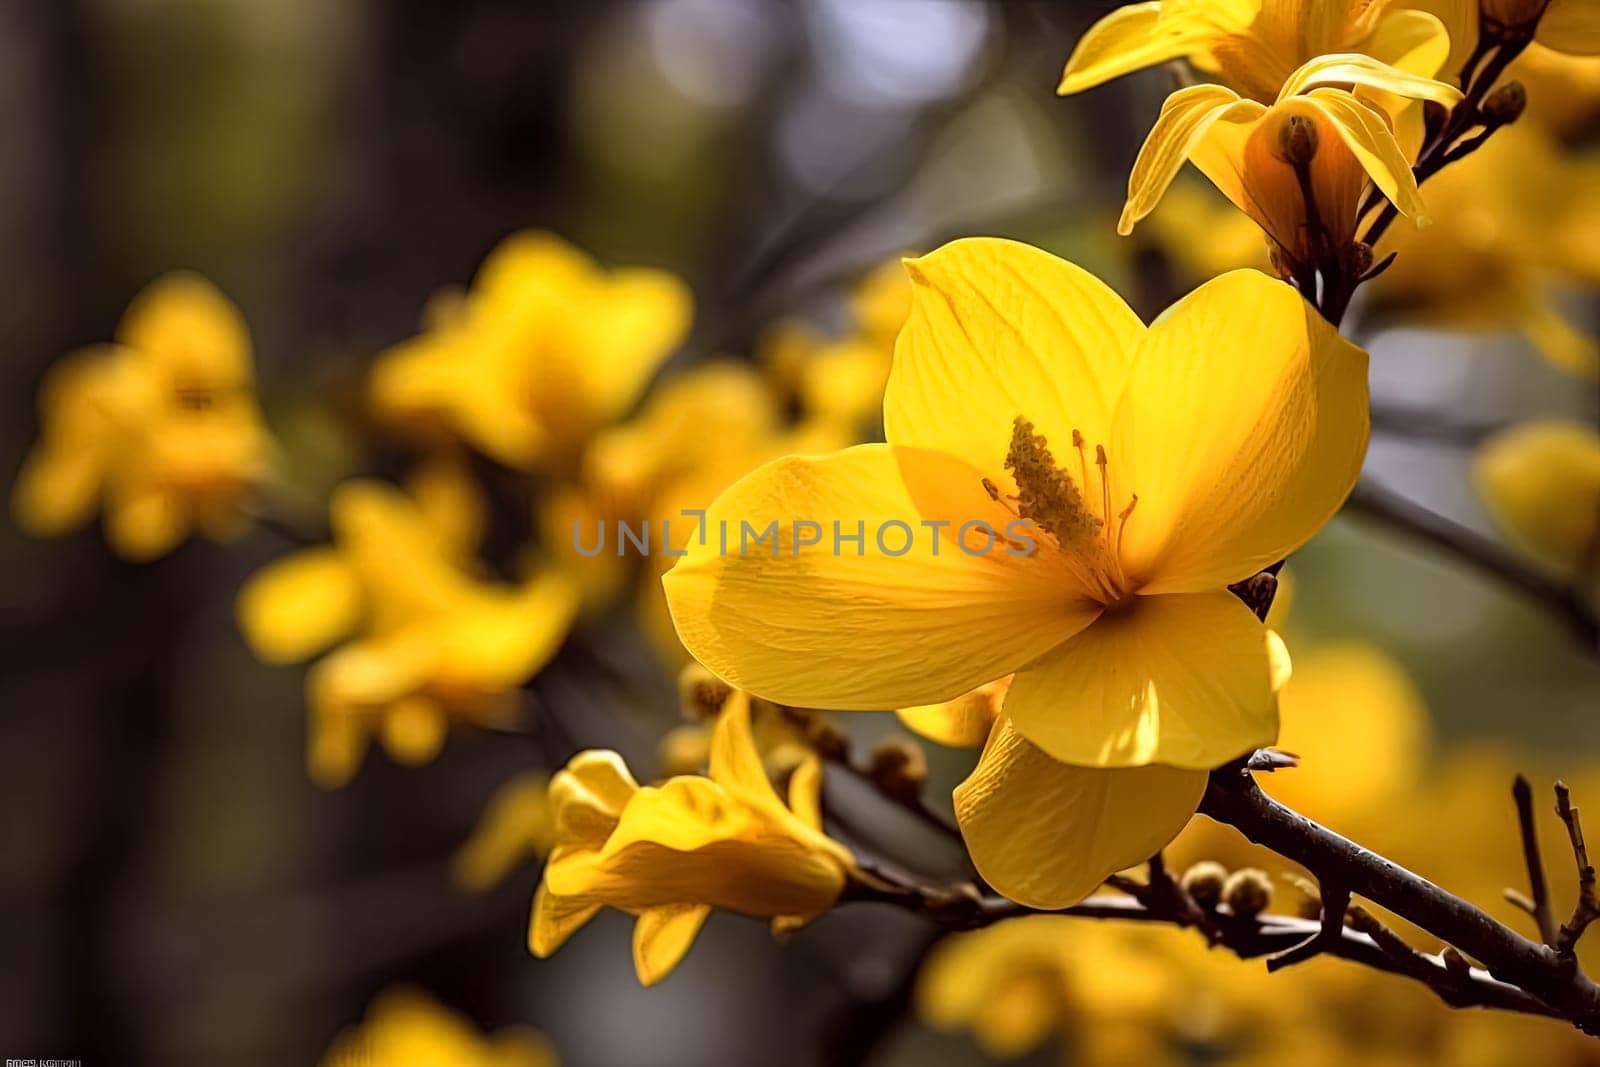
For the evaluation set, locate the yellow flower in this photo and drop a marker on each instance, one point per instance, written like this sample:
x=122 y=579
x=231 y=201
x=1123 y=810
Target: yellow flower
x=1149 y=467
x=544 y=350
x=1253 y=46
x=1522 y=221
x=1257 y=154
x=160 y=428
x=433 y=642
x=696 y=434
x=668 y=854
x=517 y=825
x=1541 y=480
x=406 y=1028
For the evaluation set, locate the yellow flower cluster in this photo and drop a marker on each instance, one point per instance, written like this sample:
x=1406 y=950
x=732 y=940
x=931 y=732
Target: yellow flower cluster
x=427 y=640
x=668 y=854
x=160 y=428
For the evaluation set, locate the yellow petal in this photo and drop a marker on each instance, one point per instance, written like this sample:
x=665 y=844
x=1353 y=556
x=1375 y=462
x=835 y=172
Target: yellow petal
x=1369 y=138
x=1184 y=680
x=57 y=489
x=1046 y=834
x=1132 y=37
x=1559 y=341
x=1416 y=42
x=735 y=763
x=588 y=796
x=414 y=729
x=144 y=521
x=517 y=824
x=661 y=936
x=555 y=918
x=450 y=502
x=1242 y=430
x=960 y=723
x=1186 y=118
x=636 y=322
x=1000 y=329
x=299 y=605
x=190 y=330
x=1347 y=69
x=805 y=792
x=500 y=639
x=1541 y=482
x=806 y=626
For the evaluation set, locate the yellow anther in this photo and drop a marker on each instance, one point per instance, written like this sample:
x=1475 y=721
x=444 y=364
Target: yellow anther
x=1046 y=494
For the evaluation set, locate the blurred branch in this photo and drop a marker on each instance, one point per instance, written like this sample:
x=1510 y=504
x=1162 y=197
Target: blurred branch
x=1489 y=557
x=1425 y=424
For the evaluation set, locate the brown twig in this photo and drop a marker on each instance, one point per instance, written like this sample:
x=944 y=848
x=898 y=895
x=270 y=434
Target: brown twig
x=1588 y=907
x=1335 y=903
x=1537 y=904
x=963 y=908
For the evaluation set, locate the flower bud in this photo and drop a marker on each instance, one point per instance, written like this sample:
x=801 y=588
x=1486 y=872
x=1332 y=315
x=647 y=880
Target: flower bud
x=898 y=767
x=1361 y=258
x=823 y=734
x=1203 y=882
x=1512 y=14
x=701 y=694
x=1504 y=105
x=1247 y=892
x=1297 y=141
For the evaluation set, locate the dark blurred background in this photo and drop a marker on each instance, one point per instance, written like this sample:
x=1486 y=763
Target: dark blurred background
x=173 y=890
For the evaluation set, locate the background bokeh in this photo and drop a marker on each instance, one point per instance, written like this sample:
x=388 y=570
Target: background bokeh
x=173 y=890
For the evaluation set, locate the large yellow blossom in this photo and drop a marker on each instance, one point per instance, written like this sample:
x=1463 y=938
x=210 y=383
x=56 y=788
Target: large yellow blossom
x=1254 y=46
x=668 y=854
x=1317 y=128
x=1154 y=467
x=407 y=1028
x=543 y=350
x=1522 y=222
x=433 y=643
x=160 y=428
x=1541 y=480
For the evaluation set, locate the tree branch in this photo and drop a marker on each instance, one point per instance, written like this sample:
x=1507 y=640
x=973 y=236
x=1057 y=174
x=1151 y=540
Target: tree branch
x=1485 y=555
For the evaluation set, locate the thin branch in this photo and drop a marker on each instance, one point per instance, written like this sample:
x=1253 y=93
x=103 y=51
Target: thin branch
x=1335 y=903
x=1538 y=904
x=1487 y=556
x=1429 y=424
x=1232 y=797
x=1588 y=907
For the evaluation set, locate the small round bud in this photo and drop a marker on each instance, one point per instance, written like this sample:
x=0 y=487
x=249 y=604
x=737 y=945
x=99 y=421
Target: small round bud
x=1247 y=892
x=701 y=694
x=1203 y=882
x=1361 y=258
x=898 y=767
x=824 y=735
x=1297 y=141
x=1505 y=105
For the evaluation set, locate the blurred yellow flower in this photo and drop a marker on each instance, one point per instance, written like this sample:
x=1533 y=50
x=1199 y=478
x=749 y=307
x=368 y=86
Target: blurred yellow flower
x=1236 y=424
x=432 y=642
x=1360 y=728
x=1563 y=91
x=668 y=854
x=697 y=433
x=407 y=1028
x=517 y=825
x=1522 y=221
x=160 y=428
x=545 y=349
x=1262 y=158
x=1112 y=993
x=1251 y=45
x=1541 y=481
